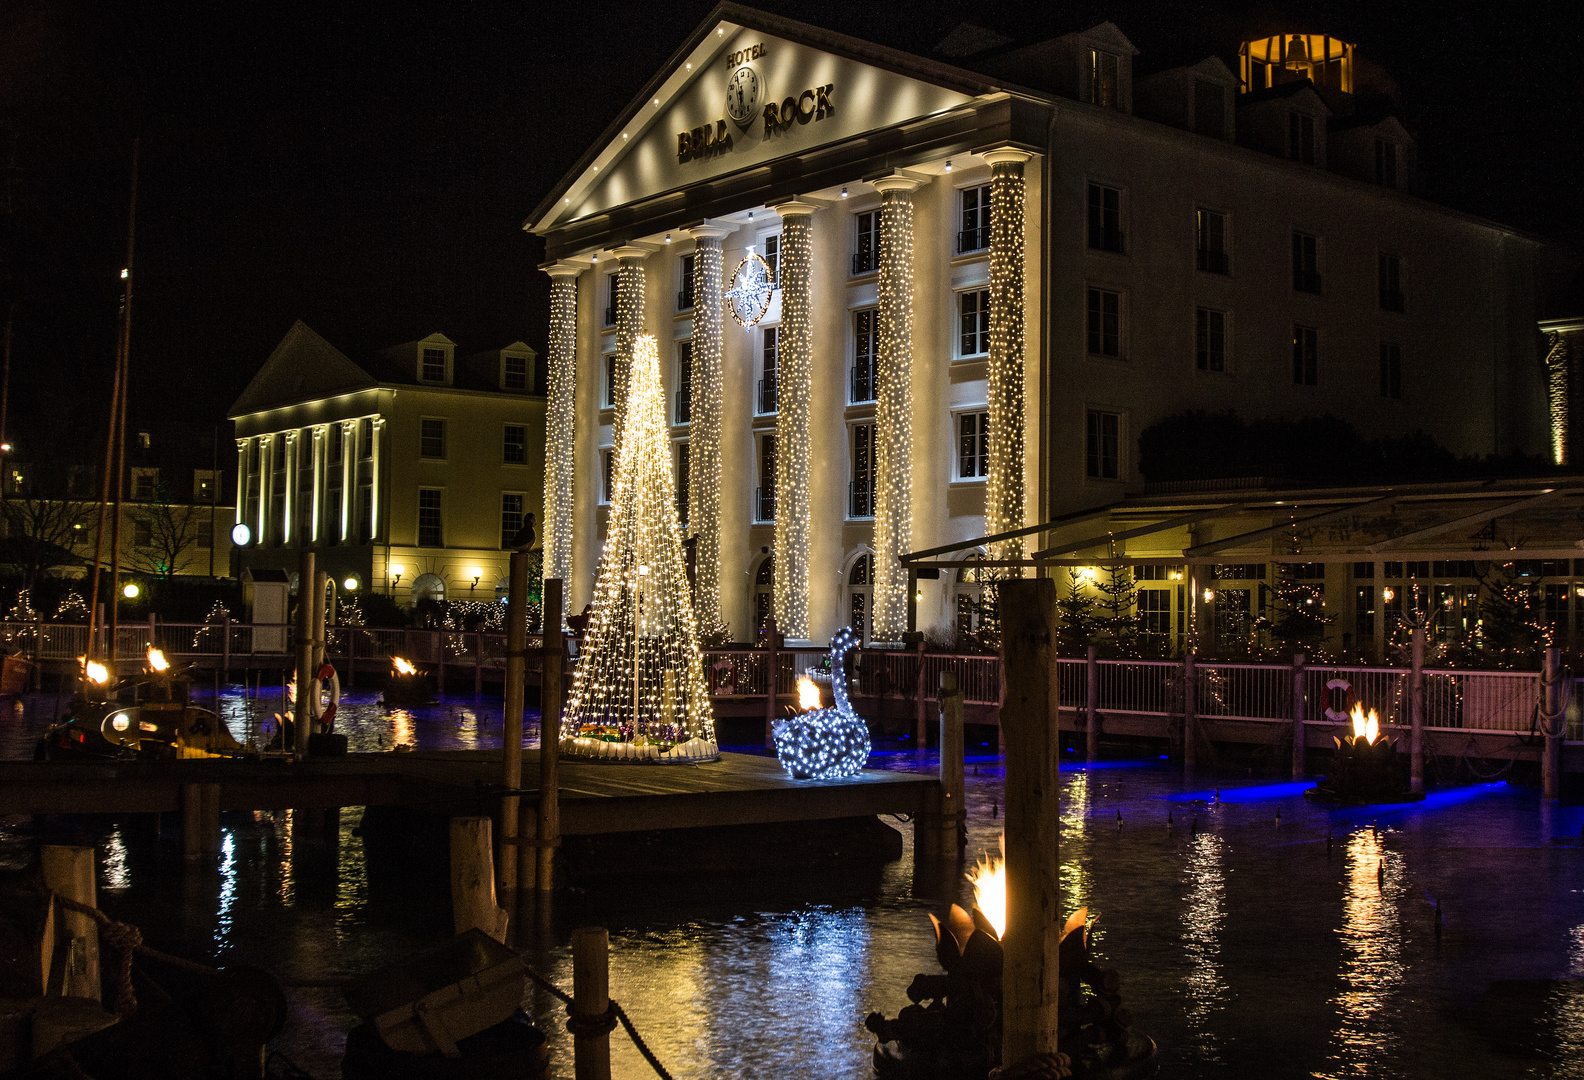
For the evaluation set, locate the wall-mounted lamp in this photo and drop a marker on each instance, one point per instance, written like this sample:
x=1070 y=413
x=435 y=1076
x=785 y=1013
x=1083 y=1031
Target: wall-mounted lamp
x=844 y=192
x=948 y=166
x=349 y=583
x=1209 y=595
x=476 y=574
x=396 y=574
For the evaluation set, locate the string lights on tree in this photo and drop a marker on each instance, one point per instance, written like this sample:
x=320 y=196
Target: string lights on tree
x=629 y=327
x=639 y=693
x=893 y=527
x=795 y=384
x=704 y=454
x=560 y=422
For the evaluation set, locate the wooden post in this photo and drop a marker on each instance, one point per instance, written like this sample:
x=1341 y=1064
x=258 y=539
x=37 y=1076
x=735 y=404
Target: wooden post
x=590 y=1001
x=512 y=725
x=192 y=822
x=770 y=683
x=920 y=736
x=440 y=641
x=1033 y=932
x=1300 y=730
x=550 y=739
x=478 y=663
x=473 y=879
x=321 y=586
x=953 y=812
x=301 y=717
x=1378 y=621
x=209 y=837
x=1190 y=721
x=69 y=871
x=225 y=655
x=1554 y=705
x=1416 y=710
x=1091 y=703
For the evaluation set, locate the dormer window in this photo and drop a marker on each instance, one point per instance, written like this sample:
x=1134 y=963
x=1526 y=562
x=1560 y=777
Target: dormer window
x=514 y=371
x=1209 y=105
x=1301 y=137
x=1386 y=163
x=432 y=367
x=1104 y=79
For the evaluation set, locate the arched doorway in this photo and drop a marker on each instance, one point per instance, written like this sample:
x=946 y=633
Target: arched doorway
x=429 y=587
x=860 y=581
x=968 y=596
x=763 y=594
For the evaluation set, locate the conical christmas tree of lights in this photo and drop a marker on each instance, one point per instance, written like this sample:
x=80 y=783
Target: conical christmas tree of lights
x=639 y=691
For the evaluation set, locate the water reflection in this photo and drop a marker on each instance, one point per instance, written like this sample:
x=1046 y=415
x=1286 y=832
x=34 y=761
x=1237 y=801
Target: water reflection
x=1077 y=881
x=1204 y=914
x=228 y=887
x=284 y=877
x=1568 y=1003
x=1372 y=966
x=117 y=875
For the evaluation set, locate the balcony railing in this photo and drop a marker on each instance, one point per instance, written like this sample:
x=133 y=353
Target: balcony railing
x=1306 y=281
x=684 y=406
x=864 y=385
x=973 y=239
x=1391 y=300
x=866 y=261
x=765 y=402
x=1215 y=262
x=685 y=300
x=764 y=504
x=860 y=500
x=1107 y=240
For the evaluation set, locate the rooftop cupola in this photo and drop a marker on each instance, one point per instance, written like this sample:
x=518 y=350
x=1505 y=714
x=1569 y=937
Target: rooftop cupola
x=1285 y=58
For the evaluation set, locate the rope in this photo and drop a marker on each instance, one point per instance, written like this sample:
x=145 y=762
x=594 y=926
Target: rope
x=127 y=941
x=1550 y=723
x=599 y=1025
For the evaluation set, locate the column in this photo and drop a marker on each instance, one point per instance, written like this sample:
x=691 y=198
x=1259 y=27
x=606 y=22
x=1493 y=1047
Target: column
x=243 y=446
x=560 y=423
x=1005 y=498
x=375 y=430
x=1558 y=370
x=320 y=434
x=266 y=456
x=349 y=459
x=629 y=325
x=704 y=435
x=795 y=386
x=289 y=503
x=893 y=527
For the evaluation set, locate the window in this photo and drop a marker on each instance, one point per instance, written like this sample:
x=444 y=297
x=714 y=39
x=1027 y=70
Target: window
x=434 y=365
x=142 y=534
x=511 y=516
x=684 y=393
x=612 y=380
x=431 y=438
x=1103 y=445
x=769 y=351
x=1211 y=334
x=973 y=322
x=1306 y=353
x=772 y=258
x=974 y=235
x=866 y=247
x=610 y=300
x=1154 y=611
x=514 y=371
x=1386 y=163
x=337 y=443
x=514 y=446
x=765 y=496
x=1301 y=137
x=1391 y=295
x=1105 y=323
x=145 y=440
x=860 y=487
x=365 y=438
x=682 y=479
x=607 y=473
x=863 y=371
x=205 y=485
x=1103 y=79
x=973 y=445
x=144 y=483
x=1209 y=108
x=1105 y=218
x=430 y=530
x=685 y=275
x=1390 y=370
x=1210 y=228
x=1305 y=262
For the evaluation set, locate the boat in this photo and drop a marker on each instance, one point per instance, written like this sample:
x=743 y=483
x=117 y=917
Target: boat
x=14 y=672
x=158 y=722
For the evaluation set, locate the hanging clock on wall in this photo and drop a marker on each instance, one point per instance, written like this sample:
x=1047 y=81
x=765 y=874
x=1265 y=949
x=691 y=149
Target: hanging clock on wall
x=749 y=296
x=743 y=89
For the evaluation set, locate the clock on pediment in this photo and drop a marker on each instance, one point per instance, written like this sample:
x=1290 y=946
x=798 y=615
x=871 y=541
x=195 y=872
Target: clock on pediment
x=743 y=90
x=749 y=295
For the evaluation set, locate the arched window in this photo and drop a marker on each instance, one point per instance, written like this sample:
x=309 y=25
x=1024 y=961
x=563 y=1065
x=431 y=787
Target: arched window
x=860 y=577
x=968 y=595
x=429 y=587
x=764 y=593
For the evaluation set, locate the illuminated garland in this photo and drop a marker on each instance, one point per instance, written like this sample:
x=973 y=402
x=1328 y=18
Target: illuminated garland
x=560 y=423
x=1558 y=367
x=794 y=386
x=893 y=527
x=639 y=692
x=704 y=456
x=629 y=325
x=1004 y=496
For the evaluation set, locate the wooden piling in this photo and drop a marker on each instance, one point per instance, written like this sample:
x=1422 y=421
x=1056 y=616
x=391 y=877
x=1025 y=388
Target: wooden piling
x=473 y=901
x=225 y=656
x=1091 y=704
x=1416 y=711
x=953 y=812
x=1300 y=747
x=549 y=831
x=209 y=822
x=590 y=1002
x=192 y=822
x=920 y=735
x=1033 y=932
x=478 y=663
x=770 y=683
x=512 y=726
x=1190 y=721
x=321 y=582
x=69 y=872
x=1554 y=706
x=301 y=717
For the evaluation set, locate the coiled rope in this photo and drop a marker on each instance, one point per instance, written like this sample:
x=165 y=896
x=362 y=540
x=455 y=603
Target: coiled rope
x=601 y=1024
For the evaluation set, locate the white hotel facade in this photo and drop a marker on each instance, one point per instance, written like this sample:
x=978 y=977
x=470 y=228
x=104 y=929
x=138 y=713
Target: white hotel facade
x=987 y=283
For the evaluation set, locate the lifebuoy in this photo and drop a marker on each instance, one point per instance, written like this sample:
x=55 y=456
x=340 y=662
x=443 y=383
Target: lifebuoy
x=320 y=713
x=1347 y=691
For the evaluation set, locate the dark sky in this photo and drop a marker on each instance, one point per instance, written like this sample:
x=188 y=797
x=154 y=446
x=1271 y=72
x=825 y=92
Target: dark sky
x=367 y=168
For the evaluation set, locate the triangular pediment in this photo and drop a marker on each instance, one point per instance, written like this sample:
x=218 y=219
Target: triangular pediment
x=747 y=90
x=303 y=367
x=1214 y=69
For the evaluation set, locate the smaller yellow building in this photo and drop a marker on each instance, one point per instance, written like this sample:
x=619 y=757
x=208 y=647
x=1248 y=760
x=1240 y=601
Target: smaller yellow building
x=408 y=473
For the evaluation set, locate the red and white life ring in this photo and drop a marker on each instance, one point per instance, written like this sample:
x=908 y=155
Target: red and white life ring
x=322 y=714
x=1347 y=697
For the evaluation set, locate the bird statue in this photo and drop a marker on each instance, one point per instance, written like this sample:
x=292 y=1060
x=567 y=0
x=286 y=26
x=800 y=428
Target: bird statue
x=824 y=744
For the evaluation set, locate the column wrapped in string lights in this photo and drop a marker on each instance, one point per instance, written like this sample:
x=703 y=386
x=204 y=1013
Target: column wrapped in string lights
x=560 y=422
x=704 y=434
x=1005 y=505
x=893 y=527
x=639 y=693
x=1559 y=370
x=794 y=389
x=629 y=326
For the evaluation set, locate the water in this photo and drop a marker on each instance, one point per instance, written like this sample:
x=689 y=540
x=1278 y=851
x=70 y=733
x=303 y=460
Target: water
x=1245 y=950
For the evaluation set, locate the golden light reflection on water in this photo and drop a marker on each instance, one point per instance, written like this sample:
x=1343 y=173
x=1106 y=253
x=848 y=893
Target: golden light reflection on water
x=1568 y=1002
x=283 y=871
x=403 y=730
x=1077 y=881
x=351 y=884
x=1372 y=964
x=1203 y=918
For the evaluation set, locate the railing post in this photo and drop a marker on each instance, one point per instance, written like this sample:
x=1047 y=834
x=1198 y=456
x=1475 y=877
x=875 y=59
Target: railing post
x=920 y=736
x=952 y=810
x=1416 y=710
x=512 y=727
x=590 y=1002
x=302 y=719
x=770 y=683
x=1190 y=736
x=1300 y=732
x=1554 y=706
x=440 y=642
x=1091 y=703
x=549 y=830
x=225 y=652
x=478 y=663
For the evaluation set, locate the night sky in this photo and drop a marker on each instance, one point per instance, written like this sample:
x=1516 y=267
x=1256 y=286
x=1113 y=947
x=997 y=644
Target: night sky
x=368 y=169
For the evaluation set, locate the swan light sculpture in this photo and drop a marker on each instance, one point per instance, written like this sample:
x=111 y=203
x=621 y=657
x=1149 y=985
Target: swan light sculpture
x=824 y=744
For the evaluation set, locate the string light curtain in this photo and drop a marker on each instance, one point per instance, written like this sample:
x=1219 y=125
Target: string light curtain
x=704 y=453
x=1559 y=368
x=629 y=327
x=639 y=691
x=560 y=421
x=794 y=388
x=1004 y=495
x=893 y=527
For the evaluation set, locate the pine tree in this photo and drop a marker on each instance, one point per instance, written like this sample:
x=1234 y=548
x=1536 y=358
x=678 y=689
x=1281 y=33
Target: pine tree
x=1511 y=632
x=1079 y=627
x=1118 y=622
x=1299 y=618
x=639 y=690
